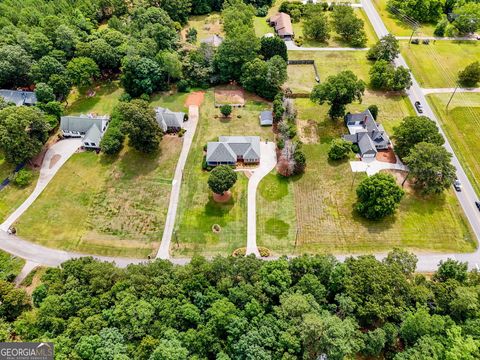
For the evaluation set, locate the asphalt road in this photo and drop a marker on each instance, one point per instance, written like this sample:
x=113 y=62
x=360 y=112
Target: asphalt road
x=467 y=196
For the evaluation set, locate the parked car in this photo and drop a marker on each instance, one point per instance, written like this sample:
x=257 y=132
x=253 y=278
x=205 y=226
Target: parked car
x=419 y=107
x=415 y=41
x=478 y=204
x=426 y=42
x=457 y=185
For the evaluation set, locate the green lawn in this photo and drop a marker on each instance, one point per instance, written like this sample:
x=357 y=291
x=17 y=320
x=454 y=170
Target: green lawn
x=102 y=102
x=322 y=218
x=10 y=266
x=107 y=206
x=335 y=40
x=197 y=211
x=461 y=124
x=206 y=25
x=396 y=26
x=438 y=64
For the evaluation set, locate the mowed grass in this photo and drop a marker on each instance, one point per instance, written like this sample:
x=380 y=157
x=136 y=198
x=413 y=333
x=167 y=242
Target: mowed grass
x=335 y=39
x=197 y=212
x=206 y=25
x=398 y=27
x=10 y=266
x=323 y=219
x=107 y=206
x=101 y=103
x=437 y=65
x=461 y=124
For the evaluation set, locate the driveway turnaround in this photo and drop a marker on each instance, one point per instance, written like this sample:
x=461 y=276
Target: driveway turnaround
x=375 y=166
x=268 y=160
x=190 y=127
x=55 y=157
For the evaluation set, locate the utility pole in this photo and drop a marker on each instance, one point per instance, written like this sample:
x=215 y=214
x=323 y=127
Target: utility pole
x=451 y=97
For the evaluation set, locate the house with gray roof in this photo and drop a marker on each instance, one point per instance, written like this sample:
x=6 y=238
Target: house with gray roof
x=266 y=118
x=90 y=128
x=169 y=121
x=214 y=40
x=229 y=150
x=19 y=97
x=369 y=135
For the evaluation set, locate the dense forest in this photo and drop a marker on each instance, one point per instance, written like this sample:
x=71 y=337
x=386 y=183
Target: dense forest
x=246 y=308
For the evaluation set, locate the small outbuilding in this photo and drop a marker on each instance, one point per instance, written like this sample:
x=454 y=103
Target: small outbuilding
x=266 y=118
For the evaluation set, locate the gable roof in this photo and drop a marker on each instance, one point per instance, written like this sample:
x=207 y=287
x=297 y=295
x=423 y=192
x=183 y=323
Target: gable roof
x=83 y=123
x=169 y=119
x=229 y=148
x=367 y=124
x=214 y=40
x=266 y=117
x=283 y=24
x=19 y=97
x=220 y=152
x=93 y=135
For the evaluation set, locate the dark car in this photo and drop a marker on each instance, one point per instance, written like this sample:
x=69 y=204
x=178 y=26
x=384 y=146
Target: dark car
x=457 y=185
x=419 y=107
x=478 y=204
x=415 y=41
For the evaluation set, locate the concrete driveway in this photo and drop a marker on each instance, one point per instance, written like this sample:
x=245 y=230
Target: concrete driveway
x=268 y=161
x=55 y=157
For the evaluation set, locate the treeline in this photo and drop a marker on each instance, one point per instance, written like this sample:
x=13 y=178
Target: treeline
x=246 y=308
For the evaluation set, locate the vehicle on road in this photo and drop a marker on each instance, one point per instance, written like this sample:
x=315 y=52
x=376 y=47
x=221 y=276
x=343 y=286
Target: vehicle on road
x=477 y=203
x=457 y=185
x=419 y=107
x=415 y=41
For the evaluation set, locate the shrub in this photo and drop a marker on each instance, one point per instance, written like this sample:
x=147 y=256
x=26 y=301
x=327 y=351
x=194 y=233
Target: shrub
x=300 y=161
x=280 y=143
x=191 y=35
x=470 y=76
x=181 y=132
x=355 y=148
x=226 y=110
x=112 y=141
x=182 y=86
x=145 y=97
x=125 y=97
x=374 y=111
x=339 y=149
x=262 y=11
x=23 y=178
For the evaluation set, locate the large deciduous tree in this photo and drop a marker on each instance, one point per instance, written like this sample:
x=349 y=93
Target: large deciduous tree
x=348 y=26
x=45 y=68
x=470 y=76
x=15 y=66
x=387 y=48
x=413 y=130
x=378 y=196
x=338 y=91
x=431 y=168
x=264 y=77
x=141 y=76
x=271 y=46
x=82 y=71
x=221 y=179
x=316 y=27
x=384 y=76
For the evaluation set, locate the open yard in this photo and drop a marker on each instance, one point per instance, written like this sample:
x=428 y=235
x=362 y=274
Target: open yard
x=335 y=40
x=314 y=212
x=197 y=211
x=101 y=102
x=396 y=26
x=461 y=124
x=206 y=25
x=438 y=64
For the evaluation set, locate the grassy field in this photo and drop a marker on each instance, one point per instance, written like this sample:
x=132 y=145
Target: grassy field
x=397 y=27
x=437 y=65
x=302 y=78
x=335 y=40
x=461 y=124
x=10 y=266
x=197 y=211
x=323 y=219
x=105 y=98
x=206 y=25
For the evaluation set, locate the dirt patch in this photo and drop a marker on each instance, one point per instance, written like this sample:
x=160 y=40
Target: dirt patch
x=400 y=176
x=195 y=98
x=232 y=95
x=54 y=160
x=387 y=156
x=222 y=198
x=307 y=131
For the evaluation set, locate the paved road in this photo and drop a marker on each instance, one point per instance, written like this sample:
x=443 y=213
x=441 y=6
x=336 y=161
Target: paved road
x=448 y=90
x=467 y=197
x=292 y=46
x=54 y=158
x=190 y=127
x=267 y=164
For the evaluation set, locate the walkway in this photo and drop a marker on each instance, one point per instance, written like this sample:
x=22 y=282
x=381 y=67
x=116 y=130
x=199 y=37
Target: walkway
x=292 y=46
x=29 y=266
x=190 y=127
x=55 y=157
x=268 y=161
x=449 y=90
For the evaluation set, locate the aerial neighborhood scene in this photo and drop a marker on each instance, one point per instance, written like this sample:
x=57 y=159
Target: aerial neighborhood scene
x=240 y=179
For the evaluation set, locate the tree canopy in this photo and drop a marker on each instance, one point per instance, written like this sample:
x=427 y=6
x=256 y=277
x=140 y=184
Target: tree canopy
x=221 y=179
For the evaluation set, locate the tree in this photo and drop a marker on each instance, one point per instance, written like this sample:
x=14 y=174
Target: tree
x=339 y=149
x=112 y=141
x=82 y=71
x=170 y=349
x=45 y=68
x=338 y=91
x=406 y=261
x=104 y=55
x=374 y=111
x=348 y=26
x=141 y=76
x=451 y=270
x=264 y=78
x=191 y=35
x=170 y=64
x=15 y=66
x=316 y=27
x=140 y=124
x=374 y=342
x=378 y=196
x=420 y=323
x=23 y=131
x=226 y=110
x=470 y=76
x=271 y=46
x=467 y=18
x=384 y=76
x=44 y=93
x=60 y=85
x=221 y=179
x=430 y=166
x=413 y=130
x=425 y=11
x=387 y=48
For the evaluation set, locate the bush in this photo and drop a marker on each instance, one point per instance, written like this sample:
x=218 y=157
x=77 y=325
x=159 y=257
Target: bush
x=470 y=76
x=355 y=148
x=125 y=97
x=226 y=110
x=23 y=178
x=145 y=97
x=373 y=110
x=112 y=141
x=441 y=27
x=262 y=11
x=339 y=149
x=280 y=143
x=181 y=132
x=182 y=86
